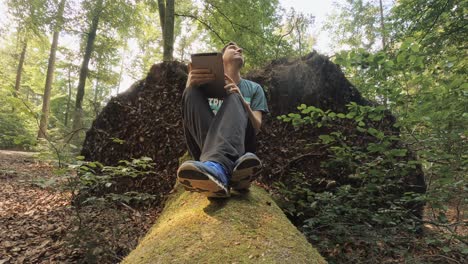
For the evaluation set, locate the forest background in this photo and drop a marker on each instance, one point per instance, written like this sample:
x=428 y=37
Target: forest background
x=62 y=60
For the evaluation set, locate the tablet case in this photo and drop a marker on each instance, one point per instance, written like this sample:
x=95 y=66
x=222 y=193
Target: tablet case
x=214 y=62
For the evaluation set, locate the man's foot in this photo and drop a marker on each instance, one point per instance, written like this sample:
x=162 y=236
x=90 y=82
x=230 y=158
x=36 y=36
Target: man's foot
x=246 y=169
x=208 y=178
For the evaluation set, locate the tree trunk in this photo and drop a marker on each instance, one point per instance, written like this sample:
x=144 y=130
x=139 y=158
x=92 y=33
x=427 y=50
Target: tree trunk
x=68 y=99
x=382 y=24
x=121 y=71
x=19 y=71
x=246 y=228
x=162 y=14
x=50 y=74
x=168 y=31
x=77 y=116
x=96 y=105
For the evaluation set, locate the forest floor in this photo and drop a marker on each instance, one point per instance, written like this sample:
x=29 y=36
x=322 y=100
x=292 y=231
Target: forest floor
x=39 y=225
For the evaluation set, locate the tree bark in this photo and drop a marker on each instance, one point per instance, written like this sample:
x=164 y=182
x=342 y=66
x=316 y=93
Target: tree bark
x=168 y=31
x=162 y=14
x=382 y=24
x=96 y=105
x=50 y=73
x=19 y=71
x=246 y=228
x=77 y=116
x=68 y=99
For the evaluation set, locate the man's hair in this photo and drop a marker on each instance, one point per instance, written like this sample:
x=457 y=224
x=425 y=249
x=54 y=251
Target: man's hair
x=227 y=45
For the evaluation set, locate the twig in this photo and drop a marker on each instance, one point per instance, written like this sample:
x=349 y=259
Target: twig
x=257 y=34
x=128 y=207
x=295 y=159
x=448 y=258
x=204 y=23
x=435 y=21
x=282 y=36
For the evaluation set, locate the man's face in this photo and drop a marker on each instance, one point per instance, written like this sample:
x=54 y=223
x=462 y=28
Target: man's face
x=233 y=54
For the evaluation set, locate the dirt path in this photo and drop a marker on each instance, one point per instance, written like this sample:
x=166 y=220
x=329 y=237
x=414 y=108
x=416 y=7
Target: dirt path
x=38 y=225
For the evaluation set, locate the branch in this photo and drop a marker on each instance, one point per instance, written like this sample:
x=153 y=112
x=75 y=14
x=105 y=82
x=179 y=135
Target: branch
x=296 y=159
x=282 y=36
x=435 y=21
x=204 y=23
x=227 y=18
x=448 y=258
x=257 y=34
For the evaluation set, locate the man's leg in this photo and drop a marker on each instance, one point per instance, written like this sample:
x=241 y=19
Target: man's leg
x=208 y=178
x=229 y=133
x=221 y=142
x=225 y=140
x=248 y=166
x=197 y=118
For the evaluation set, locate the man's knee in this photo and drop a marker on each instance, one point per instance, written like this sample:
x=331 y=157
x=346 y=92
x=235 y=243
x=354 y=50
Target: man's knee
x=190 y=93
x=235 y=97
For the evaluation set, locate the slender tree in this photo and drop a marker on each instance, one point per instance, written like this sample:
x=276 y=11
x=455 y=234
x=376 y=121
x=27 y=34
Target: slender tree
x=68 y=98
x=30 y=18
x=19 y=71
x=78 y=113
x=382 y=25
x=166 y=18
x=50 y=72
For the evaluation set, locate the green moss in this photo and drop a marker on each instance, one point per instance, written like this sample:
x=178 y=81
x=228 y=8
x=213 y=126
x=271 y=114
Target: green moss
x=247 y=228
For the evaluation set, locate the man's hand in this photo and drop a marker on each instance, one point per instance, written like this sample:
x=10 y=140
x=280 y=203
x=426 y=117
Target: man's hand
x=231 y=86
x=197 y=77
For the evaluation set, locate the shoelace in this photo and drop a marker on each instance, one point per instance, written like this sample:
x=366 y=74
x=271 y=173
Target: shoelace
x=217 y=167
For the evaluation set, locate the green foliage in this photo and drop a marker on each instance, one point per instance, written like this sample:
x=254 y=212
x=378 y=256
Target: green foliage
x=249 y=23
x=16 y=131
x=367 y=203
x=422 y=79
x=256 y=25
x=354 y=24
x=16 y=125
x=97 y=181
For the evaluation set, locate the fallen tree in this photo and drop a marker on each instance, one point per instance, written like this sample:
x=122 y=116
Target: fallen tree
x=247 y=228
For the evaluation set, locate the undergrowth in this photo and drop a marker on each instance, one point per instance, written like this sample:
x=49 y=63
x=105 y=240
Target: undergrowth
x=372 y=211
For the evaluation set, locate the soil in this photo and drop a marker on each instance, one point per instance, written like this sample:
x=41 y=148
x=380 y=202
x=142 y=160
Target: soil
x=39 y=225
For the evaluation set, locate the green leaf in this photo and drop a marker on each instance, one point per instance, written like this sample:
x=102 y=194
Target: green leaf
x=326 y=139
x=360 y=129
x=350 y=115
x=446 y=249
x=398 y=152
x=415 y=47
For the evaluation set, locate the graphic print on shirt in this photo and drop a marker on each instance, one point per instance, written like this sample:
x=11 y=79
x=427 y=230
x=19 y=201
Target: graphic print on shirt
x=216 y=103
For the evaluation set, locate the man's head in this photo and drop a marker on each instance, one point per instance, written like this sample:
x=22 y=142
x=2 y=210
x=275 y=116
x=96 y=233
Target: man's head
x=232 y=53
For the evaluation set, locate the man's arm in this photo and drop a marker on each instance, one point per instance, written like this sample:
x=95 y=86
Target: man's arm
x=254 y=116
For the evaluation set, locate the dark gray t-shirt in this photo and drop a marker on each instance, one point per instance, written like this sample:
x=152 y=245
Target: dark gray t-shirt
x=252 y=93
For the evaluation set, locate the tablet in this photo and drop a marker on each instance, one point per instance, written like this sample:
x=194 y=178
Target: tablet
x=214 y=62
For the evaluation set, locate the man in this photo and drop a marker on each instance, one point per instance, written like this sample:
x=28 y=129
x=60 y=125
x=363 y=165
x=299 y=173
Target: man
x=221 y=135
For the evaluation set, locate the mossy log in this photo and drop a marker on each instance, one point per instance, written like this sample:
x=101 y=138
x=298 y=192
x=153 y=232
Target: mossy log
x=247 y=228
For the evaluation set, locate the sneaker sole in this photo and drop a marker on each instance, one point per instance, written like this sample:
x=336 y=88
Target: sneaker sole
x=245 y=173
x=195 y=180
